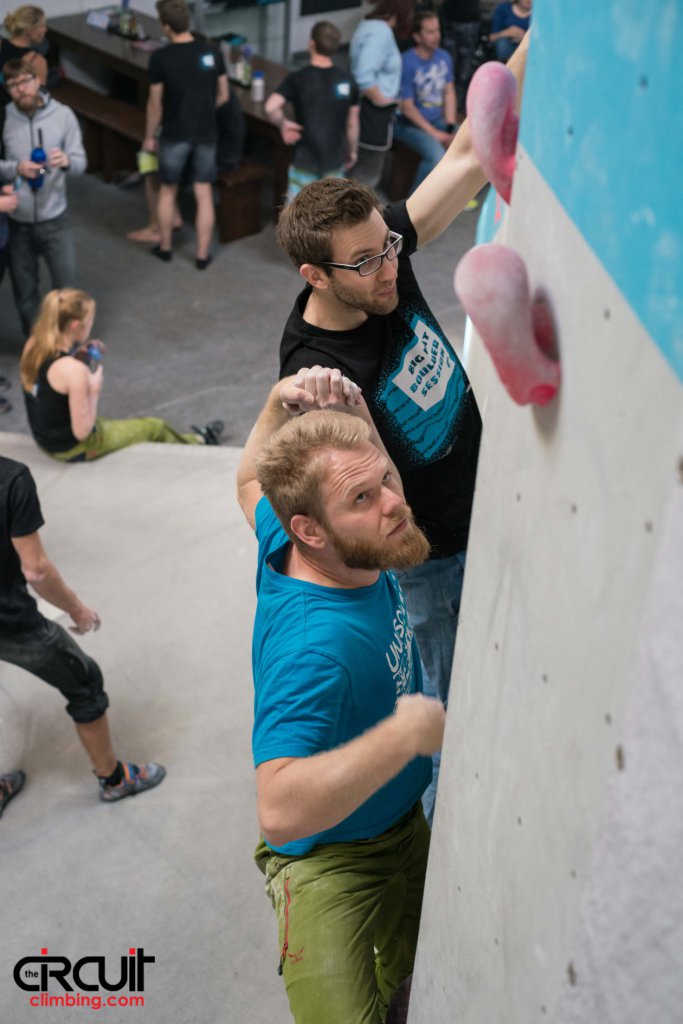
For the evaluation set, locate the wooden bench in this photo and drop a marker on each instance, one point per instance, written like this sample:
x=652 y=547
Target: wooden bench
x=240 y=206
x=113 y=132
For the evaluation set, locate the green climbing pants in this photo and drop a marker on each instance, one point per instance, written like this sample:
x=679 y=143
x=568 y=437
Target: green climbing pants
x=110 y=435
x=348 y=917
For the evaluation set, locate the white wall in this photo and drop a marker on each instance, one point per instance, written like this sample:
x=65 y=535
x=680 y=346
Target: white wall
x=545 y=854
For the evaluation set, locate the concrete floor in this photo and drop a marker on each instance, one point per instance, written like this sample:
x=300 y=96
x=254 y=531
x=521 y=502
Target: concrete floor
x=153 y=539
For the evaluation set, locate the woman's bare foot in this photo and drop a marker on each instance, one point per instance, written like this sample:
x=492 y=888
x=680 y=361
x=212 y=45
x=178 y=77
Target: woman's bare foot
x=147 y=234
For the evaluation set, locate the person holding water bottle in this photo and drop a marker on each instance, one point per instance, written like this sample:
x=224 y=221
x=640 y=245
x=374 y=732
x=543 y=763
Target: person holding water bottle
x=43 y=140
x=61 y=376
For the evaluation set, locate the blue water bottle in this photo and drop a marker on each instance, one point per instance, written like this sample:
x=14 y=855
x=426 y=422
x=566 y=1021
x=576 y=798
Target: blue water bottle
x=38 y=156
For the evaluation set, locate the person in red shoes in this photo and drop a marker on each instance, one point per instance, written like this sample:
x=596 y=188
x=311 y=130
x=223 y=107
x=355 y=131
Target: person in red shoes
x=45 y=649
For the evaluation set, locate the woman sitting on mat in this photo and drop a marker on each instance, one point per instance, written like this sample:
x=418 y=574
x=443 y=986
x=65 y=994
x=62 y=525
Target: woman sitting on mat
x=61 y=374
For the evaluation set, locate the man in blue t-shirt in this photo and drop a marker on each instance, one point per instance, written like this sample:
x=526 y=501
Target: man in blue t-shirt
x=342 y=733
x=510 y=22
x=427 y=104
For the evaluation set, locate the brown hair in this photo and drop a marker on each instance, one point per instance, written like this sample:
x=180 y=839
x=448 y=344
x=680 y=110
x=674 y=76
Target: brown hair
x=175 y=14
x=292 y=466
x=27 y=16
x=58 y=309
x=420 y=17
x=326 y=38
x=401 y=10
x=15 y=69
x=305 y=227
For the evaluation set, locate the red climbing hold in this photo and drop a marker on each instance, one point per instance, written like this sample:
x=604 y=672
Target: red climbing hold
x=493 y=120
x=491 y=282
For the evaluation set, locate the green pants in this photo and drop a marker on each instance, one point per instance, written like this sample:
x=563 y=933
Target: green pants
x=110 y=435
x=348 y=917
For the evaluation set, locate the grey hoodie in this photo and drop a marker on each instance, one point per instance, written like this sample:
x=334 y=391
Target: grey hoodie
x=20 y=136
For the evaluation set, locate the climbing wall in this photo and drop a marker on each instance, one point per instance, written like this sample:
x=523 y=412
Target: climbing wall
x=554 y=889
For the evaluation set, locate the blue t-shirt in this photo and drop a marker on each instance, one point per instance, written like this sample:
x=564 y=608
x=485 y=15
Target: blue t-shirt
x=330 y=663
x=504 y=17
x=424 y=82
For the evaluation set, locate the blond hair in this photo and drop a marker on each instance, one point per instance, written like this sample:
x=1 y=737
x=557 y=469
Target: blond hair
x=292 y=465
x=59 y=308
x=27 y=16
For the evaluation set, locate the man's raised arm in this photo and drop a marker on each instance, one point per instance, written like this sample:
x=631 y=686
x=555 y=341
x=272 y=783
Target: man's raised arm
x=315 y=388
x=458 y=176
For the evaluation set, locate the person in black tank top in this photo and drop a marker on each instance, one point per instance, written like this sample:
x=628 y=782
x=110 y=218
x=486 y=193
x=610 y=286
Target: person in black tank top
x=61 y=375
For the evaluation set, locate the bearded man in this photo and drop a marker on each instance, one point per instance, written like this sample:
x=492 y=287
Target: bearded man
x=342 y=733
x=39 y=224
x=363 y=312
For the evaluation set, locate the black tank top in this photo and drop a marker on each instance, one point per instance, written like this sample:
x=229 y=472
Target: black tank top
x=48 y=413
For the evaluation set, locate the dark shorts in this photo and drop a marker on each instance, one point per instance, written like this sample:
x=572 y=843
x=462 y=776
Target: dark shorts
x=48 y=651
x=187 y=161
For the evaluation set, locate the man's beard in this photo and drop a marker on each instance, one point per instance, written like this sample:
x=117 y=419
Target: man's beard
x=407 y=549
x=372 y=306
x=28 y=104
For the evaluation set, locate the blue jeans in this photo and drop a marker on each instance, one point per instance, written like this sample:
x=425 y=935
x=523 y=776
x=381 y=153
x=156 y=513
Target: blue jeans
x=432 y=593
x=504 y=48
x=50 y=239
x=428 y=148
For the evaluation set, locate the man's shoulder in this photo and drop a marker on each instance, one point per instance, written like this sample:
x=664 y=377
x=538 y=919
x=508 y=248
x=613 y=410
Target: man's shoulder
x=10 y=469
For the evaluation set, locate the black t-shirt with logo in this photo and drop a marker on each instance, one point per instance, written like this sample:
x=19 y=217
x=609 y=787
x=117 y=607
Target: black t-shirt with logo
x=321 y=98
x=189 y=73
x=20 y=516
x=417 y=392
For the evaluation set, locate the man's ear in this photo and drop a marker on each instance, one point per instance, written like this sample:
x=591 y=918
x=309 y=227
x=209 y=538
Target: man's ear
x=315 y=276
x=308 y=531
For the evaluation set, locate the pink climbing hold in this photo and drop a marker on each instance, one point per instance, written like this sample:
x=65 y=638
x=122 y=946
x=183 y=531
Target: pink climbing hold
x=493 y=120
x=491 y=282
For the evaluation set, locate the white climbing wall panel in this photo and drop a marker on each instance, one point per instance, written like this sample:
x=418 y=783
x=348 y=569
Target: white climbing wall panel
x=554 y=889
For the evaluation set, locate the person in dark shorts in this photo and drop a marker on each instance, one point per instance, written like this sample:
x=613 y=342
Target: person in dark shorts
x=187 y=82
x=44 y=648
x=325 y=101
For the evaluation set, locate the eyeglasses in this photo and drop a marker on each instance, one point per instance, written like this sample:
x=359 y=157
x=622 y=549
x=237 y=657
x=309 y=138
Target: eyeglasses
x=372 y=264
x=17 y=83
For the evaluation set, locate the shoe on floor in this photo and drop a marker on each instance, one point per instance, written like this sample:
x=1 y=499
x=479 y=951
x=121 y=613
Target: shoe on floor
x=5 y=384
x=211 y=432
x=135 y=780
x=202 y=264
x=5 y=405
x=10 y=784
x=163 y=254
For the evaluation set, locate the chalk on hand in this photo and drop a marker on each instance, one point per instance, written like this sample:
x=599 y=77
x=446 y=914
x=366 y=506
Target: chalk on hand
x=491 y=282
x=493 y=120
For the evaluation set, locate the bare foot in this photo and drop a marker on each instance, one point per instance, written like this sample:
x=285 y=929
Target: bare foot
x=148 y=234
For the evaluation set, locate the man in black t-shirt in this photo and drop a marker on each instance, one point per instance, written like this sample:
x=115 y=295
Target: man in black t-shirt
x=363 y=312
x=325 y=101
x=187 y=83
x=44 y=648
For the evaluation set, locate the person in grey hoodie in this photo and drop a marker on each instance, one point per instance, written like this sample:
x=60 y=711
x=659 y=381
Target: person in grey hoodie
x=39 y=225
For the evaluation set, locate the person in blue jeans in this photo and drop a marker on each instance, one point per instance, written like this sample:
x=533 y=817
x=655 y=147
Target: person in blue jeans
x=427 y=102
x=510 y=22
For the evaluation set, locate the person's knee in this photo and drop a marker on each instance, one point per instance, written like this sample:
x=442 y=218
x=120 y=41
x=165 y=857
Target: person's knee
x=88 y=700
x=156 y=428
